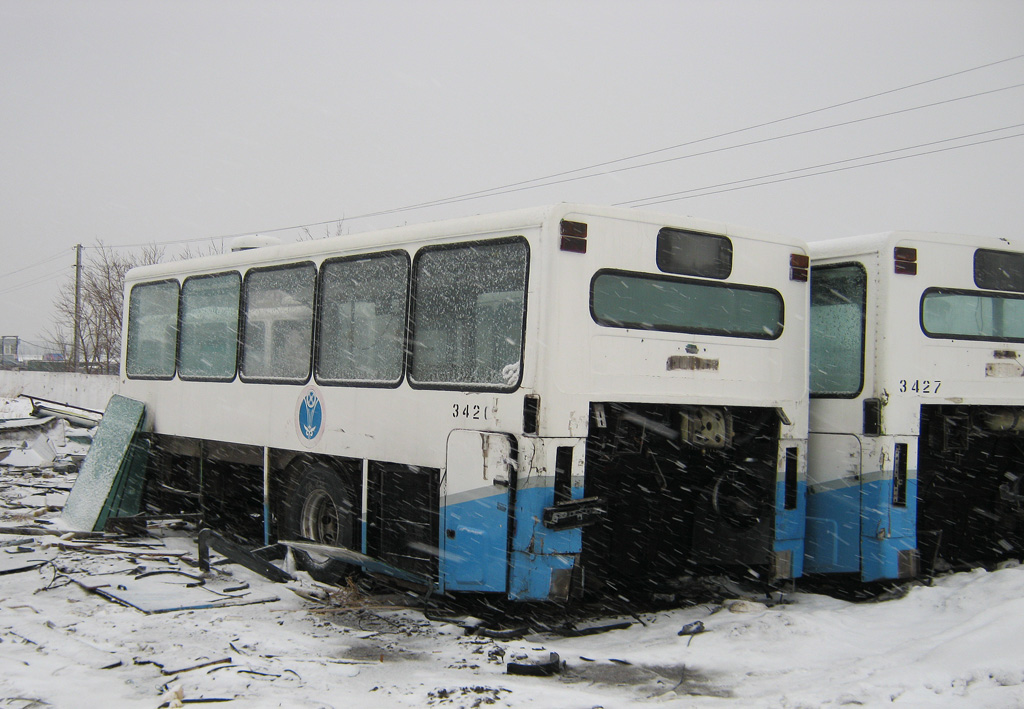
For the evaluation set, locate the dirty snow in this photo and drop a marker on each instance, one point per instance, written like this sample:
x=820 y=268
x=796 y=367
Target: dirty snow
x=957 y=643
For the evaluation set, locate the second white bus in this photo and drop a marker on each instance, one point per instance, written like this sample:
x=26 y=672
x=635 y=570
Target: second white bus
x=917 y=408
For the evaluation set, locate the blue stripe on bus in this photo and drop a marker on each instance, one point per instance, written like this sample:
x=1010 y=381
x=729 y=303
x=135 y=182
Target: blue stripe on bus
x=475 y=559
x=538 y=552
x=858 y=529
x=482 y=559
x=789 y=526
x=534 y=578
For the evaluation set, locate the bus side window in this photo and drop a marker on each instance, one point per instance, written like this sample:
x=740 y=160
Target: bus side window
x=152 y=330
x=208 y=346
x=278 y=331
x=470 y=305
x=362 y=320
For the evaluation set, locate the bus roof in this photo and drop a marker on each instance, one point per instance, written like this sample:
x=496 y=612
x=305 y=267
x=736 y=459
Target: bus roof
x=884 y=241
x=463 y=226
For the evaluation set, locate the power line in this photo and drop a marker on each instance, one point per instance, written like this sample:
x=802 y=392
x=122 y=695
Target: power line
x=41 y=279
x=551 y=179
x=711 y=151
x=729 y=186
x=34 y=265
x=222 y=237
x=161 y=243
x=37 y=345
x=502 y=189
x=523 y=186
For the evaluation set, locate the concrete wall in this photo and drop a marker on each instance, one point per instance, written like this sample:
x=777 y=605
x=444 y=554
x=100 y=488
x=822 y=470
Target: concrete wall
x=88 y=391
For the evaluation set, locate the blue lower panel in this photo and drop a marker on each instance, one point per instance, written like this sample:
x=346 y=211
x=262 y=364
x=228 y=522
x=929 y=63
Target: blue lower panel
x=541 y=577
x=886 y=529
x=474 y=540
x=833 y=531
x=857 y=529
x=542 y=559
x=789 y=527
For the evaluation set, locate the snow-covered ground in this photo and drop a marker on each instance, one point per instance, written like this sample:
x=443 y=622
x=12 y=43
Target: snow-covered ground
x=957 y=643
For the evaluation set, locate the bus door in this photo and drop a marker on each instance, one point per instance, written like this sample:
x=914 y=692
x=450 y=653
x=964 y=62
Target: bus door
x=475 y=512
x=888 y=506
x=833 y=537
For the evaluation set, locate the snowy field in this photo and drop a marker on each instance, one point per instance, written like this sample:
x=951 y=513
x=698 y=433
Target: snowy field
x=957 y=643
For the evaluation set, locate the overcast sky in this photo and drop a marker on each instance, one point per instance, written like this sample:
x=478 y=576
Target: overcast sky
x=139 y=122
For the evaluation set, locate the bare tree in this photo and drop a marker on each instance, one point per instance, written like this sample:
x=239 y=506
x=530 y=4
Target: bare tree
x=188 y=252
x=100 y=312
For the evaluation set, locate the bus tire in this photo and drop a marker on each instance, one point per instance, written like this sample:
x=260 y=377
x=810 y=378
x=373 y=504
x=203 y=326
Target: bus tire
x=320 y=510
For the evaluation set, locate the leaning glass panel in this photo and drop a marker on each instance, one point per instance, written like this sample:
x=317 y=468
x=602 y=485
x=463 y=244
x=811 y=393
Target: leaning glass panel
x=362 y=319
x=972 y=315
x=278 y=331
x=209 y=327
x=152 y=330
x=645 y=302
x=470 y=305
x=837 y=330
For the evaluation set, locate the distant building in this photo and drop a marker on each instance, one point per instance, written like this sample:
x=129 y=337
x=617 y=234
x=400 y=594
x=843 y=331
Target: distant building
x=9 y=352
x=16 y=353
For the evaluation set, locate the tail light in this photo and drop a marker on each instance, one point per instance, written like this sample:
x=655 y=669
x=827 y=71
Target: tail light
x=798 y=267
x=905 y=260
x=574 y=236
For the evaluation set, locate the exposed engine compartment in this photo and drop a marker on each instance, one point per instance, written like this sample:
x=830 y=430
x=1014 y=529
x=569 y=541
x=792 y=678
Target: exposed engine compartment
x=685 y=489
x=970 y=496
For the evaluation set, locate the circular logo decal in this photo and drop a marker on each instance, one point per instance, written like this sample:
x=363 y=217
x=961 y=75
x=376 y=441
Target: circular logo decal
x=309 y=416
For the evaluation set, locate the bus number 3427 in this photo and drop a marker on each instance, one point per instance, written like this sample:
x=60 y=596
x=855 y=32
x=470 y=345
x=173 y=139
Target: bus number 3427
x=920 y=386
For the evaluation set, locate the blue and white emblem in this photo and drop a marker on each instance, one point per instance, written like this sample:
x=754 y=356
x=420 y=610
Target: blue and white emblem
x=310 y=416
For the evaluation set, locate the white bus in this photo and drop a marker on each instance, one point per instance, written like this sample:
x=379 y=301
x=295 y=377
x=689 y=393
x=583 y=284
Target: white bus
x=917 y=403
x=531 y=403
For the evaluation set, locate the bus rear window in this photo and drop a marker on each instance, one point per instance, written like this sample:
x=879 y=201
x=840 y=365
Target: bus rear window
x=972 y=315
x=999 y=270
x=152 y=330
x=692 y=253
x=647 y=302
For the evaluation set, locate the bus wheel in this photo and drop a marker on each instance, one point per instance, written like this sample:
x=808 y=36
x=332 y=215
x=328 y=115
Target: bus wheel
x=320 y=511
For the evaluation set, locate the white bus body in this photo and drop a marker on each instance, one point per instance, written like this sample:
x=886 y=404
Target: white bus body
x=916 y=384
x=522 y=403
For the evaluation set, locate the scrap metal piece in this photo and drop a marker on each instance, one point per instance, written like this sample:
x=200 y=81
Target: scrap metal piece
x=208 y=539
x=161 y=594
x=552 y=667
x=693 y=628
x=574 y=513
x=86 y=418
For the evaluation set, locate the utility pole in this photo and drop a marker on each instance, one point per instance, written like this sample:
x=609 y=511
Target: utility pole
x=78 y=306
